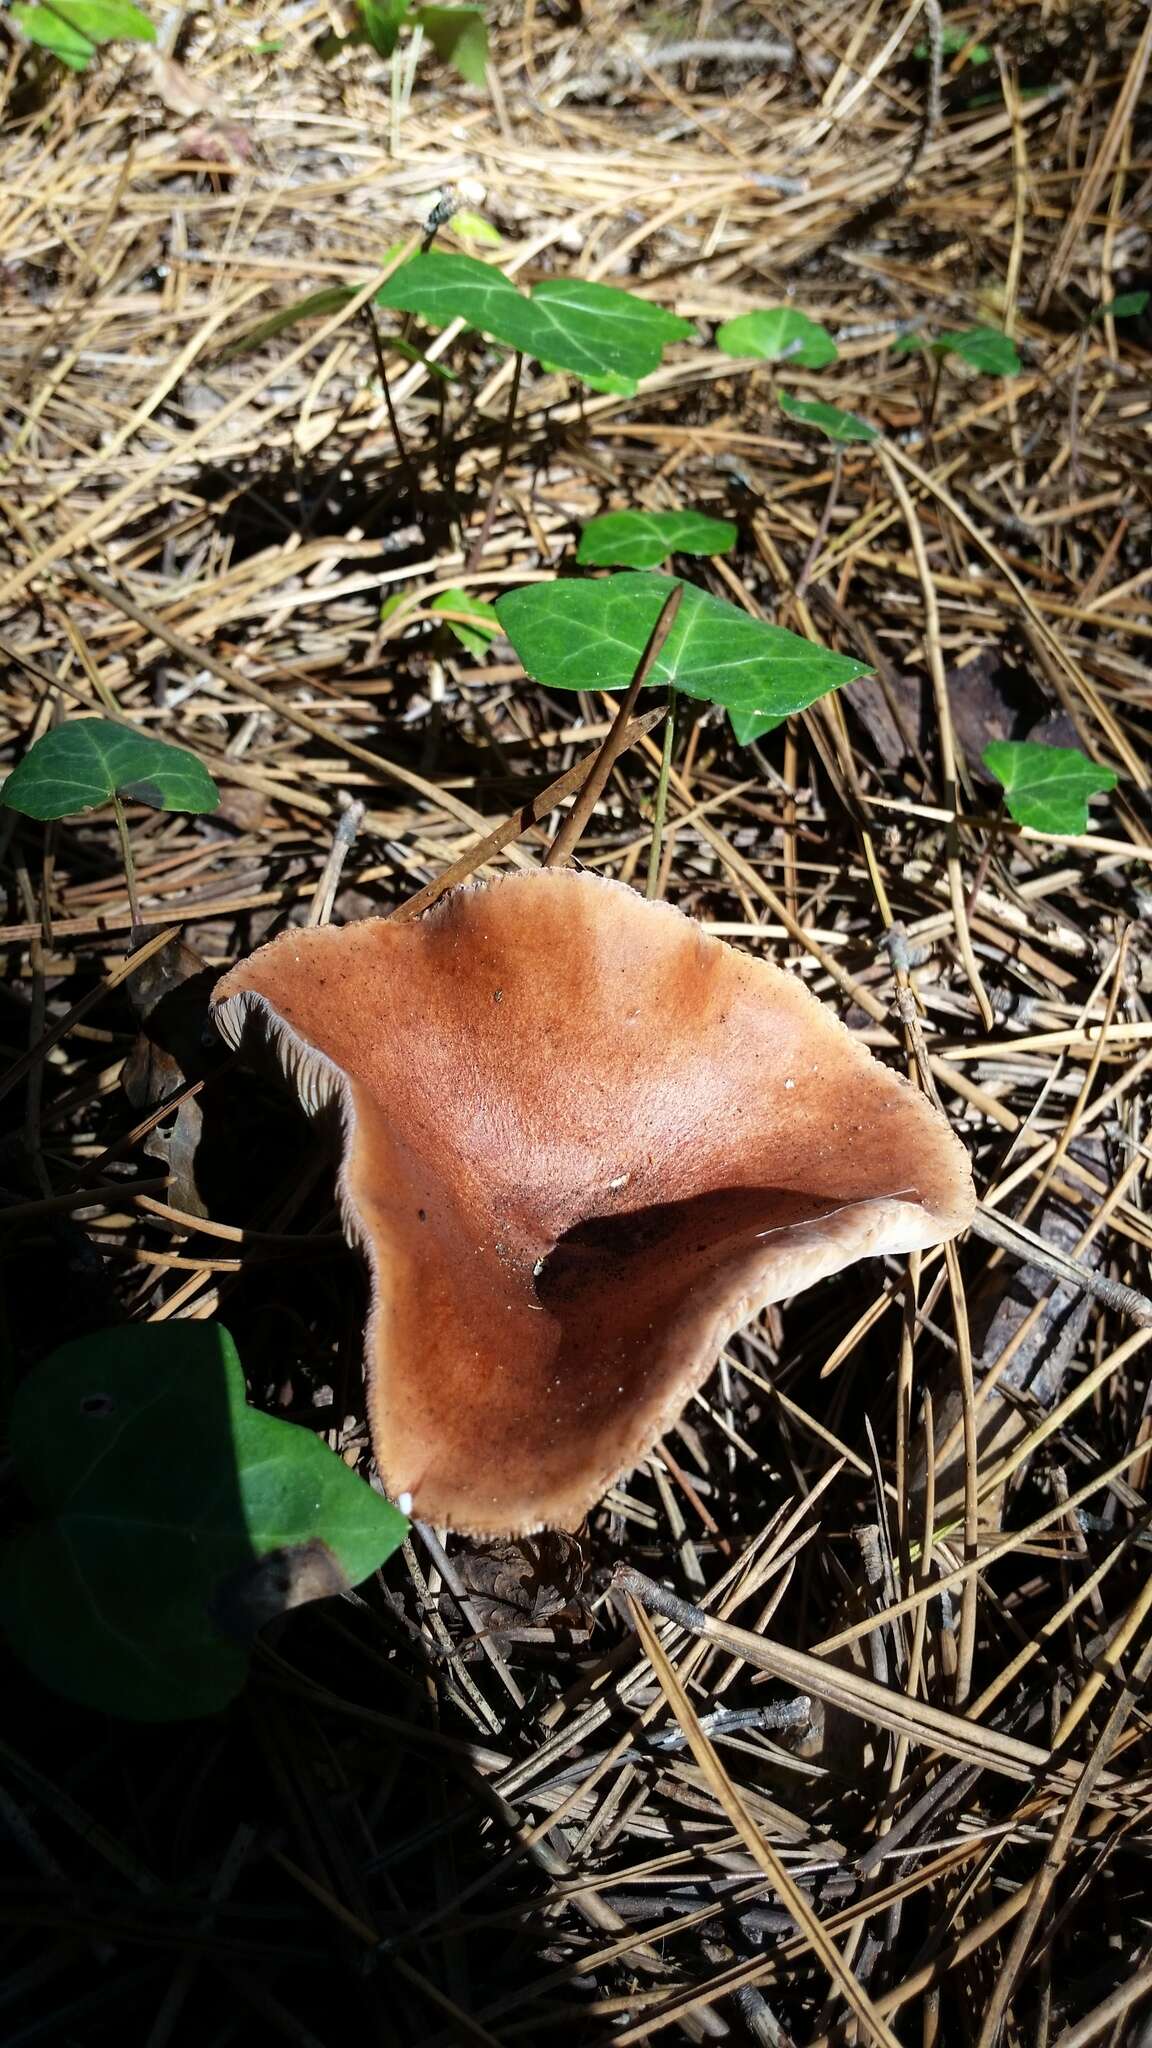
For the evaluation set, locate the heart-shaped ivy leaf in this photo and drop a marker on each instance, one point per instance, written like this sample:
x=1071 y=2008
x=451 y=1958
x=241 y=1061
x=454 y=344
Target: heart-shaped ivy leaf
x=642 y=540
x=954 y=38
x=590 y=633
x=590 y=330
x=90 y=760
x=982 y=348
x=1046 y=787
x=837 y=425
x=597 y=330
x=779 y=334
x=175 y=1521
x=441 y=286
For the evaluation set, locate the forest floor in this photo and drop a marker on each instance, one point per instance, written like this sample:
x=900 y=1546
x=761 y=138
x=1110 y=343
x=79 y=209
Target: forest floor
x=458 y=1806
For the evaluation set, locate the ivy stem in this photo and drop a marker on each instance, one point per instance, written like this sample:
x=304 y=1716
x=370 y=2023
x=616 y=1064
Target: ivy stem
x=129 y=865
x=933 y=396
x=985 y=860
x=406 y=463
x=652 y=887
x=481 y=542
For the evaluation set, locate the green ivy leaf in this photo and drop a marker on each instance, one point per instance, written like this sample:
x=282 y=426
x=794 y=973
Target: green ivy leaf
x=590 y=330
x=382 y=21
x=175 y=1521
x=837 y=425
x=482 y=625
x=316 y=306
x=1046 y=787
x=89 y=761
x=642 y=540
x=1126 y=307
x=779 y=334
x=596 y=330
x=589 y=634
x=73 y=30
x=459 y=37
x=984 y=348
x=441 y=286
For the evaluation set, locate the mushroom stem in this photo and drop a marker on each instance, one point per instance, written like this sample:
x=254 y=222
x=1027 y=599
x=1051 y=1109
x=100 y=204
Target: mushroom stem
x=564 y=845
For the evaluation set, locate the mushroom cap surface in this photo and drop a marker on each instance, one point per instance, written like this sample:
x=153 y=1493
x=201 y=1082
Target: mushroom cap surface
x=584 y=1142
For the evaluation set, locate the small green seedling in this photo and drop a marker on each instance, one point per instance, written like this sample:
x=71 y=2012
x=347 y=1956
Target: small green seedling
x=984 y=349
x=175 y=1521
x=590 y=633
x=457 y=34
x=89 y=762
x=829 y=419
x=607 y=337
x=75 y=30
x=315 y=306
x=1128 y=306
x=779 y=334
x=1047 y=788
x=459 y=37
x=953 y=39
x=642 y=540
x=479 y=626
x=318 y=306
x=471 y=620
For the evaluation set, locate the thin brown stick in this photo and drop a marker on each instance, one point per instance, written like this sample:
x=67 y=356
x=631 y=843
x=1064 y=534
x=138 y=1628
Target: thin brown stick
x=814 y=1933
x=518 y=824
x=564 y=844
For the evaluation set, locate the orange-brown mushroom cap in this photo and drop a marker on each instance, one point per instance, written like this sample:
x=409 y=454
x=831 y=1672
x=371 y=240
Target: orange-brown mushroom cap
x=584 y=1143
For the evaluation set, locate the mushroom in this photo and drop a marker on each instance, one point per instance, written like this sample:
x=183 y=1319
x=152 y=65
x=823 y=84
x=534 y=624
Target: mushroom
x=583 y=1143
